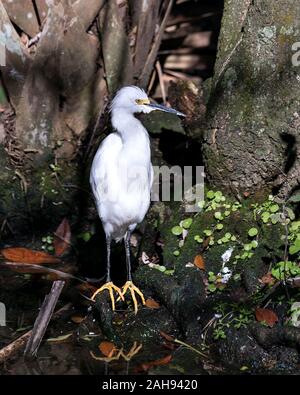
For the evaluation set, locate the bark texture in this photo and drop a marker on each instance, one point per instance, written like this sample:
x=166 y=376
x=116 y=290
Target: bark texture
x=253 y=121
x=64 y=59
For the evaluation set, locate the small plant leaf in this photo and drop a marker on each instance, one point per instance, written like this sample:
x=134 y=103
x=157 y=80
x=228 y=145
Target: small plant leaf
x=274 y=208
x=218 y=215
x=295 y=198
x=59 y=339
x=177 y=230
x=210 y=194
x=252 y=232
x=187 y=223
x=295 y=247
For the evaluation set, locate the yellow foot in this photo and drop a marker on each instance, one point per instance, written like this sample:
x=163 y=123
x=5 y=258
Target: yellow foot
x=132 y=288
x=133 y=351
x=110 y=286
x=115 y=354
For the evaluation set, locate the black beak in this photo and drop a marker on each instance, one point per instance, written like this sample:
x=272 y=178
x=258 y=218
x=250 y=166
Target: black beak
x=166 y=109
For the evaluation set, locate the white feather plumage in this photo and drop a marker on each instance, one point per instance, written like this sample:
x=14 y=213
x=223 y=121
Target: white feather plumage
x=121 y=174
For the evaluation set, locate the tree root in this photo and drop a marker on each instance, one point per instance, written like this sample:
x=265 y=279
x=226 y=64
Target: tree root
x=285 y=335
x=103 y=306
x=183 y=298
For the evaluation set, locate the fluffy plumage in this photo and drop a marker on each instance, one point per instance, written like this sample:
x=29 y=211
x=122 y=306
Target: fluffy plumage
x=121 y=174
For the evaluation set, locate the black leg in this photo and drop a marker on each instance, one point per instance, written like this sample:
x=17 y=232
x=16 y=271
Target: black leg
x=108 y=242
x=127 y=249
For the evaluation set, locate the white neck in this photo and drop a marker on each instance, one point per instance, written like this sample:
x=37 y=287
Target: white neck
x=135 y=138
x=127 y=125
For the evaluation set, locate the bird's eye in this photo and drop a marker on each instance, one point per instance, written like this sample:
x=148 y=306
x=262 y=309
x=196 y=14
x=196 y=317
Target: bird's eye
x=142 y=101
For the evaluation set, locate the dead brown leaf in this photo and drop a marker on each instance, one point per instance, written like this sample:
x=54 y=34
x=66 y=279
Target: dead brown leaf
x=77 y=319
x=199 y=262
x=267 y=279
x=266 y=315
x=85 y=287
x=152 y=304
x=144 y=367
x=107 y=348
x=25 y=255
x=166 y=336
x=62 y=237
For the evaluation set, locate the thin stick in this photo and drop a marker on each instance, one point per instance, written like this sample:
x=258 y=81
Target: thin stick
x=285 y=257
x=43 y=318
x=11 y=349
x=161 y=81
x=189 y=347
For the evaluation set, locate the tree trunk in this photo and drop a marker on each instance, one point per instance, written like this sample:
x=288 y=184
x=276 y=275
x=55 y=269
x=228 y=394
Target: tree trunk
x=253 y=120
x=63 y=61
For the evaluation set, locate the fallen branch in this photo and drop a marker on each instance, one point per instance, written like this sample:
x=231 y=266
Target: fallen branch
x=43 y=319
x=11 y=349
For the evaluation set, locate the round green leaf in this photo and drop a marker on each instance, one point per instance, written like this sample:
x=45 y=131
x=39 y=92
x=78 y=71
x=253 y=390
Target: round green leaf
x=187 y=223
x=177 y=230
x=211 y=287
x=198 y=239
x=252 y=232
x=218 y=215
x=254 y=243
x=207 y=232
x=210 y=194
x=274 y=208
x=201 y=204
x=247 y=247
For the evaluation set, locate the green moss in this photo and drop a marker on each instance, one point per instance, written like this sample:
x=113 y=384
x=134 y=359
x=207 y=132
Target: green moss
x=44 y=202
x=253 y=250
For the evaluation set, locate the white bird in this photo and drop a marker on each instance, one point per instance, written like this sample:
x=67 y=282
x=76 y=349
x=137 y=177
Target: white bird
x=121 y=178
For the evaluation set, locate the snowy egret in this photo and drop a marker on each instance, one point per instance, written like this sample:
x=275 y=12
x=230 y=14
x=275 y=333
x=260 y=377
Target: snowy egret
x=121 y=179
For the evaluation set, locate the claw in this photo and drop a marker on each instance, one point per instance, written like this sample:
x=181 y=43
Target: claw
x=110 y=286
x=132 y=288
x=132 y=352
x=115 y=354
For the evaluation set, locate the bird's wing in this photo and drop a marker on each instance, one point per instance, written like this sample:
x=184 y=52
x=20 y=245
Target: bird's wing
x=103 y=167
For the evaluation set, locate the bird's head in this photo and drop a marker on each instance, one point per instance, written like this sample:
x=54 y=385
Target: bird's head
x=135 y=100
